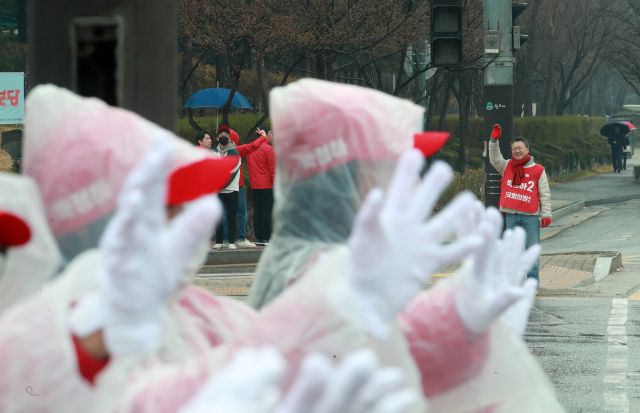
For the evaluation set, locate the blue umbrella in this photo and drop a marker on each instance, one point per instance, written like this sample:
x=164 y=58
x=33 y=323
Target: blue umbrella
x=215 y=98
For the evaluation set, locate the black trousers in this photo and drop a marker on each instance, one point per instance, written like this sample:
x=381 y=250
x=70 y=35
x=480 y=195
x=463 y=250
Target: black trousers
x=262 y=210
x=624 y=160
x=616 y=157
x=230 y=202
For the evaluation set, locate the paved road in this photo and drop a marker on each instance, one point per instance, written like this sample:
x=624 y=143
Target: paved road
x=589 y=350
x=589 y=347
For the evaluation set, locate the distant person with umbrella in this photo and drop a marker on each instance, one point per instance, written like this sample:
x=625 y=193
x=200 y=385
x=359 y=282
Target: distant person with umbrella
x=616 y=135
x=616 y=140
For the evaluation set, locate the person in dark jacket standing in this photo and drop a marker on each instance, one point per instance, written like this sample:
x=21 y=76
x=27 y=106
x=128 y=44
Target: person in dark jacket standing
x=616 y=140
x=262 y=174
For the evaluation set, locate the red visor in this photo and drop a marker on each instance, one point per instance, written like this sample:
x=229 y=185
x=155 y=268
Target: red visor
x=14 y=231
x=430 y=142
x=200 y=178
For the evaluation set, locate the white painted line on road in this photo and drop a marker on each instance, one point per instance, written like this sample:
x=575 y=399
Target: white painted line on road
x=615 y=379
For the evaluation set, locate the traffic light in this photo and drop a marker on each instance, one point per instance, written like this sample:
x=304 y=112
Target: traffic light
x=446 y=33
x=518 y=39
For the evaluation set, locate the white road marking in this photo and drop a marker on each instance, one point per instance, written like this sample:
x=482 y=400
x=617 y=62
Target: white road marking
x=615 y=379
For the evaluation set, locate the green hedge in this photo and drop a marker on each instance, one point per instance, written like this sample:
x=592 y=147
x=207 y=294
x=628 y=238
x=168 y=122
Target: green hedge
x=562 y=144
x=240 y=123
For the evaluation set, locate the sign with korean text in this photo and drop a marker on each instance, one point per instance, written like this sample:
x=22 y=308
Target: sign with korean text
x=11 y=98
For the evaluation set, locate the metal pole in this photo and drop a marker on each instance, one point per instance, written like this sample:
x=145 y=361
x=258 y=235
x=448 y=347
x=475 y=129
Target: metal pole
x=498 y=87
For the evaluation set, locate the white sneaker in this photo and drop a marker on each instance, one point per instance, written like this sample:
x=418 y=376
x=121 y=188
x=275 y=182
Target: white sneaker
x=225 y=244
x=216 y=247
x=232 y=246
x=246 y=244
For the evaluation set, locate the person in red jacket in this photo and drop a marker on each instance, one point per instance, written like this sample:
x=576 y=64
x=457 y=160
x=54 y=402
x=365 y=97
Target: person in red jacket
x=262 y=175
x=243 y=150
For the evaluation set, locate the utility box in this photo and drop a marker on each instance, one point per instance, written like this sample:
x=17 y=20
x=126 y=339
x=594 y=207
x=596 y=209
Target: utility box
x=121 y=51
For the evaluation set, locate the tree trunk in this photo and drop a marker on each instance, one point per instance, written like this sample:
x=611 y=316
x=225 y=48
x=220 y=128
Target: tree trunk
x=445 y=104
x=462 y=158
x=222 y=71
x=432 y=106
x=264 y=93
x=192 y=121
x=186 y=68
x=235 y=78
x=321 y=67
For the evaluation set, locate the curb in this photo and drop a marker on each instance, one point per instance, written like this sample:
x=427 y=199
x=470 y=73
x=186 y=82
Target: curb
x=234 y=257
x=605 y=265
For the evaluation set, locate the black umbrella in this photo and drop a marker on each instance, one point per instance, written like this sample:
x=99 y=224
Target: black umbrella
x=609 y=129
x=12 y=143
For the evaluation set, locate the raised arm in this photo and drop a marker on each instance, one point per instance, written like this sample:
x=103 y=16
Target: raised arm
x=249 y=148
x=495 y=157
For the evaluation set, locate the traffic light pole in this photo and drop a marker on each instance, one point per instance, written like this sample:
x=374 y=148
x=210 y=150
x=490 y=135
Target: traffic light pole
x=498 y=61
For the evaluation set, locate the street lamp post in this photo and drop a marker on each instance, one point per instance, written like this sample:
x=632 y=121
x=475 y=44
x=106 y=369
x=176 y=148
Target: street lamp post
x=498 y=62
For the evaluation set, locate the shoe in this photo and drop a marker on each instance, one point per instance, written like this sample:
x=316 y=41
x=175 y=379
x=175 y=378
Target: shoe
x=265 y=243
x=225 y=244
x=246 y=244
x=216 y=247
x=619 y=171
x=232 y=246
x=259 y=243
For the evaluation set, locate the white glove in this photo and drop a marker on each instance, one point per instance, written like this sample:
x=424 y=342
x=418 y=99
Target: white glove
x=495 y=281
x=515 y=266
x=250 y=384
x=356 y=385
x=144 y=258
x=394 y=251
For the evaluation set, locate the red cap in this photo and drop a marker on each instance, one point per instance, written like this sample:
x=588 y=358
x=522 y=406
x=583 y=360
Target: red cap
x=204 y=177
x=430 y=142
x=14 y=231
x=224 y=128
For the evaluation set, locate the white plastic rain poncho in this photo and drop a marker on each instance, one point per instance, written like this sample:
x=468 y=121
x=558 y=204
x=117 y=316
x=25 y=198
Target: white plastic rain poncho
x=28 y=267
x=333 y=144
x=80 y=152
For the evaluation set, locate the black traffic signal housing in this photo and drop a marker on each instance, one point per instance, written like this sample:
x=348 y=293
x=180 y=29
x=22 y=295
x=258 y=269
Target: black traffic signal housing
x=446 y=33
x=518 y=39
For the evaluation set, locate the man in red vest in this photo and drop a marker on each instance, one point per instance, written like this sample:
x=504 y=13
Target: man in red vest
x=525 y=196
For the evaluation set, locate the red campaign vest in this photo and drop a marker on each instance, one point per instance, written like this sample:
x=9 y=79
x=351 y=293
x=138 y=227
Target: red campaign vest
x=525 y=198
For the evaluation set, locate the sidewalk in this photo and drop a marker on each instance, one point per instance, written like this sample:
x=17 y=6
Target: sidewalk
x=605 y=185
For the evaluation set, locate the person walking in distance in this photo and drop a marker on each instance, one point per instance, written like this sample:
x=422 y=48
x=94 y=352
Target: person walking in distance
x=616 y=140
x=525 y=196
x=229 y=195
x=262 y=174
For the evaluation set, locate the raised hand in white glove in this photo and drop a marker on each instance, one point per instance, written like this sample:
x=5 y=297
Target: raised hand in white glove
x=494 y=282
x=356 y=385
x=514 y=267
x=394 y=249
x=144 y=257
x=251 y=382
